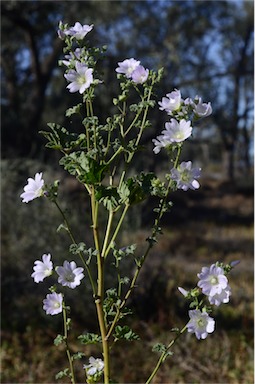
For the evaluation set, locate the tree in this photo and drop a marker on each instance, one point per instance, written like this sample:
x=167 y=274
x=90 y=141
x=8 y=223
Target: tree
x=205 y=47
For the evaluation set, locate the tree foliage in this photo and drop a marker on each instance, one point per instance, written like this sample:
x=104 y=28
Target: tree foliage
x=205 y=47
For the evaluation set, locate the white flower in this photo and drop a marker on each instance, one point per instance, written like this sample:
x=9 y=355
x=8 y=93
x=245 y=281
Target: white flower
x=177 y=132
x=222 y=297
x=201 y=109
x=80 y=79
x=186 y=176
x=212 y=280
x=127 y=67
x=94 y=366
x=174 y=133
x=53 y=303
x=42 y=268
x=171 y=102
x=79 y=31
x=140 y=74
x=69 y=274
x=200 y=323
x=33 y=189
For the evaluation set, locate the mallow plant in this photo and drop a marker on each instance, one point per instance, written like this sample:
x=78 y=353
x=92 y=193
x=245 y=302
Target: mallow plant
x=102 y=157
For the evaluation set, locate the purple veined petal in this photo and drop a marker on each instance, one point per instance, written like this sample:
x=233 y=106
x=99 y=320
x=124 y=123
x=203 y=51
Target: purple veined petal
x=53 y=303
x=70 y=275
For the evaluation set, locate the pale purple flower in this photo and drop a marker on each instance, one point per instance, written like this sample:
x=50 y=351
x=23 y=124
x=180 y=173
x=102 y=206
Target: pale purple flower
x=201 y=109
x=176 y=131
x=160 y=142
x=70 y=275
x=53 y=303
x=140 y=74
x=80 y=79
x=171 y=102
x=200 y=323
x=79 y=31
x=94 y=366
x=33 y=189
x=212 y=280
x=127 y=67
x=222 y=297
x=183 y=291
x=185 y=176
x=71 y=57
x=42 y=268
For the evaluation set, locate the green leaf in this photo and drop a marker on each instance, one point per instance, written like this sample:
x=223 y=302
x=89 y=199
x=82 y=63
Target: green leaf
x=78 y=355
x=122 y=252
x=140 y=187
x=90 y=338
x=81 y=248
x=62 y=374
x=123 y=192
x=73 y=110
x=159 y=347
x=59 y=340
x=59 y=138
x=108 y=196
x=124 y=332
x=77 y=248
x=86 y=169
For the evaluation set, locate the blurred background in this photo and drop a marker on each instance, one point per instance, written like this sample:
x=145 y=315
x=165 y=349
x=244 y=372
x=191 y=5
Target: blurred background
x=206 y=48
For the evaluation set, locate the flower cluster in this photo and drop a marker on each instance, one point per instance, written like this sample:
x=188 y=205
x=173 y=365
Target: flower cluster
x=132 y=69
x=78 y=74
x=179 y=108
x=78 y=31
x=177 y=130
x=213 y=284
x=69 y=275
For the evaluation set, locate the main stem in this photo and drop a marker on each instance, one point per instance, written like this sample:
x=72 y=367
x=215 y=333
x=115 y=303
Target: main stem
x=100 y=288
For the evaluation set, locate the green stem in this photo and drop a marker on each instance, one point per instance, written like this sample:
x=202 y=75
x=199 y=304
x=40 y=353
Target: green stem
x=94 y=212
x=70 y=360
x=132 y=124
x=164 y=355
x=107 y=233
x=120 y=221
x=74 y=241
x=130 y=157
x=100 y=288
x=105 y=343
x=119 y=150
